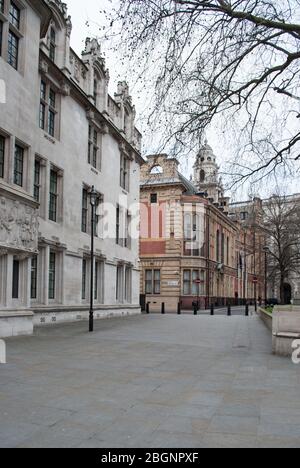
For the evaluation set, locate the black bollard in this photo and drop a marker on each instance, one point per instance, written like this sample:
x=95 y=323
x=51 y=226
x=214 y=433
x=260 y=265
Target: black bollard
x=212 y=310
x=195 y=309
x=247 y=310
x=229 y=311
x=148 y=308
x=179 y=308
x=163 y=309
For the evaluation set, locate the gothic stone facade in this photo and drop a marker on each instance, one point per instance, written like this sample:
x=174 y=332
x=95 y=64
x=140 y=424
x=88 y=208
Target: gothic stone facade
x=190 y=249
x=60 y=134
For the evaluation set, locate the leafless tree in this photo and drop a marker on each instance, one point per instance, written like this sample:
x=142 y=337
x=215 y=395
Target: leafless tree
x=233 y=63
x=281 y=222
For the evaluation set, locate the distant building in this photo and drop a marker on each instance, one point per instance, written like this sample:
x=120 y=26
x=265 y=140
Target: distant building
x=190 y=249
x=60 y=134
x=250 y=214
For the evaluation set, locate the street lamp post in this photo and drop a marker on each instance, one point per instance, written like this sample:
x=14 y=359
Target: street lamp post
x=266 y=251
x=93 y=200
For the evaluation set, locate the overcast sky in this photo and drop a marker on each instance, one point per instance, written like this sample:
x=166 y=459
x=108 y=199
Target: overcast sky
x=88 y=21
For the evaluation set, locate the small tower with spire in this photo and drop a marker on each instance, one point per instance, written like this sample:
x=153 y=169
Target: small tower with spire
x=206 y=174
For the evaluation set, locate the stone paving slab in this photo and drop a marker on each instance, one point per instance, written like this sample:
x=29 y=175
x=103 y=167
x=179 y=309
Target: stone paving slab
x=150 y=381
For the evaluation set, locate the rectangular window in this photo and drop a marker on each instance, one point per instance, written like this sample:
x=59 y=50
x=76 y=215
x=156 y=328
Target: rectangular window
x=124 y=172
x=14 y=15
x=84 y=276
x=34 y=265
x=118 y=217
x=1 y=37
x=37 y=179
x=19 y=165
x=187 y=283
x=15 y=279
x=128 y=231
x=152 y=278
x=96 y=284
x=52 y=275
x=119 y=285
x=13 y=49
x=128 y=283
x=84 y=215
x=52 y=50
x=94 y=156
x=53 y=196
x=153 y=198
x=2 y=155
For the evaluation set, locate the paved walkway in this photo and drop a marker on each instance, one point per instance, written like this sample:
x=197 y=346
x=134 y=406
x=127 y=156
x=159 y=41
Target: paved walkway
x=150 y=381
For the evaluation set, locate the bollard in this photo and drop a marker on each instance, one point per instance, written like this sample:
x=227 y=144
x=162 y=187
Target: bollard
x=163 y=310
x=247 y=310
x=195 y=309
x=179 y=308
x=229 y=311
x=148 y=308
x=212 y=310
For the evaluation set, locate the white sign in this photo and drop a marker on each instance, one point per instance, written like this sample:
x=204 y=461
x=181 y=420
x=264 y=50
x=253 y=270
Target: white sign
x=2 y=352
x=173 y=284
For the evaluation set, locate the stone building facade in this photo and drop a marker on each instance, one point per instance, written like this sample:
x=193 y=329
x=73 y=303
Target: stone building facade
x=190 y=249
x=60 y=134
x=250 y=213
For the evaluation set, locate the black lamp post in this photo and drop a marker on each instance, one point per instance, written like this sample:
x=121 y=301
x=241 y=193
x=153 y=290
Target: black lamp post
x=93 y=201
x=266 y=251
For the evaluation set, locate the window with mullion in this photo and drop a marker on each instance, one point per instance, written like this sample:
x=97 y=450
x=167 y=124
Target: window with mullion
x=51 y=113
x=53 y=196
x=19 y=165
x=13 y=50
x=2 y=155
x=14 y=15
x=52 y=49
x=1 y=37
x=84 y=216
x=52 y=275
x=34 y=267
x=37 y=180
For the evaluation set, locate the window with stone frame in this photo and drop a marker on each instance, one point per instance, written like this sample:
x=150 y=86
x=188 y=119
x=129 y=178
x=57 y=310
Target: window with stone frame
x=34 y=278
x=119 y=284
x=94 y=148
x=52 y=275
x=192 y=235
x=124 y=172
x=52 y=44
x=86 y=212
x=191 y=286
x=11 y=13
x=128 y=285
x=152 y=282
x=19 y=165
x=2 y=156
x=37 y=180
x=49 y=109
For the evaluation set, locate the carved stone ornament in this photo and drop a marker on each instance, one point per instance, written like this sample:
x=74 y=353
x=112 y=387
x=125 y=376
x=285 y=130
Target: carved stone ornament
x=18 y=226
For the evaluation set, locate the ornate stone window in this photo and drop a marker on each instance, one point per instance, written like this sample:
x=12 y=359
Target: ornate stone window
x=94 y=150
x=11 y=32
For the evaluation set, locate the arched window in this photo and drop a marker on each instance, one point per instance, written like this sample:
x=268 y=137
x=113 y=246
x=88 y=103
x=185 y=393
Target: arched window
x=202 y=175
x=156 y=170
x=52 y=46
